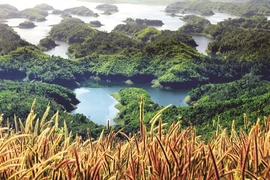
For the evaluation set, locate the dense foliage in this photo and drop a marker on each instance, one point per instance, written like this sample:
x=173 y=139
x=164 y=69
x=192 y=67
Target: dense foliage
x=147 y=22
x=129 y=100
x=195 y=24
x=46 y=44
x=71 y=30
x=209 y=103
x=105 y=54
x=18 y=97
x=9 y=40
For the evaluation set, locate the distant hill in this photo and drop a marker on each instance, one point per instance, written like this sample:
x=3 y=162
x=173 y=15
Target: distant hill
x=132 y=1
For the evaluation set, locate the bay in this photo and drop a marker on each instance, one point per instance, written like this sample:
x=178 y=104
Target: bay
x=98 y=104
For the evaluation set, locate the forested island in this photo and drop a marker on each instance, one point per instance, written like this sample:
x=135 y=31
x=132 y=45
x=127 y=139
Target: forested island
x=107 y=8
x=82 y=11
x=27 y=24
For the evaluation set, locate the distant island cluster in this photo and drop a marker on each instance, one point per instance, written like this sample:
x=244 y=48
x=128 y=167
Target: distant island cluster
x=40 y=12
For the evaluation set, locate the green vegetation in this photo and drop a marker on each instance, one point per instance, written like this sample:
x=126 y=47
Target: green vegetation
x=8 y=11
x=95 y=24
x=34 y=14
x=195 y=24
x=229 y=101
x=129 y=28
x=107 y=8
x=29 y=63
x=44 y=7
x=147 y=34
x=71 y=30
x=132 y=27
x=129 y=99
x=9 y=40
x=150 y=54
x=81 y=11
x=18 y=97
x=242 y=43
x=27 y=24
x=46 y=44
x=146 y=22
x=209 y=103
x=202 y=7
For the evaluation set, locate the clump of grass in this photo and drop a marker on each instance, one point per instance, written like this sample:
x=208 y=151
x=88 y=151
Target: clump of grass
x=39 y=149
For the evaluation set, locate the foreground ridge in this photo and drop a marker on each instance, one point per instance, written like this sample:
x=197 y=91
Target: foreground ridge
x=39 y=149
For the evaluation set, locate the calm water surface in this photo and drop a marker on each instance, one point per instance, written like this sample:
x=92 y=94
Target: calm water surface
x=59 y=50
x=202 y=42
x=98 y=104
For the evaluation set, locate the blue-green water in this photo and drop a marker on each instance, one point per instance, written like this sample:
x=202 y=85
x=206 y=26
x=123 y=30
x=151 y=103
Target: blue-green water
x=98 y=104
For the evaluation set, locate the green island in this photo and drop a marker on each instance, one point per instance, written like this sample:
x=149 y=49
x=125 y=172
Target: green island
x=27 y=24
x=38 y=13
x=224 y=132
x=45 y=7
x=8 y=11
x=34 y=14
x=95 y=24
x=81 y=11
x=108 y=9
x=46 y=44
